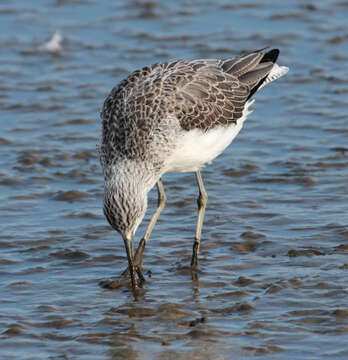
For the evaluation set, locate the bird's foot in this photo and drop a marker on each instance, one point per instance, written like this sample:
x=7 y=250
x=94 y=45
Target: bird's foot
x=124 y=279
x=139 y=270
x=194 y=272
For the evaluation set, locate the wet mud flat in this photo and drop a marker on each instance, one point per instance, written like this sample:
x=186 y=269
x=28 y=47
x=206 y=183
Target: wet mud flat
x=272 y=276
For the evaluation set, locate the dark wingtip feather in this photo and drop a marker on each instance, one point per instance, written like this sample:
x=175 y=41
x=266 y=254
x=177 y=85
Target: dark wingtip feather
x=271 y=56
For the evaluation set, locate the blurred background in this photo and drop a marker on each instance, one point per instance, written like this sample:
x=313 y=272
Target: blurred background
x=272 y=282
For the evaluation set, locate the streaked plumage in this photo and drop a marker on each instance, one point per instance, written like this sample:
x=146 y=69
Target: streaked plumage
x=169 y=117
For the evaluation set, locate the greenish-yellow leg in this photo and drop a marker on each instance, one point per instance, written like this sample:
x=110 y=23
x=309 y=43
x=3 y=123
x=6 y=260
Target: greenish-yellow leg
x=202 y=203
x=138 y=258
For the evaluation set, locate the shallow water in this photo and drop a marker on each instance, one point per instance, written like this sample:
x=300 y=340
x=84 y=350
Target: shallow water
x=272 y=281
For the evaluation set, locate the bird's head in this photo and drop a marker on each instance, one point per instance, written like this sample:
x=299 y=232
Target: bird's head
x=125 y=202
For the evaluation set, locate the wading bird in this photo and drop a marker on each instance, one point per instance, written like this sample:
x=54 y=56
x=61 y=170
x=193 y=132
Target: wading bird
x=172 y=117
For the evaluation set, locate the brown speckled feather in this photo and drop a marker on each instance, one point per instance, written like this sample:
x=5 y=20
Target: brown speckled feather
x=199 y=93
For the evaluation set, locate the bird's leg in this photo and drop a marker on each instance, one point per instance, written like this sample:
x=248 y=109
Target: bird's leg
x=202 y=203
x=161 y=202
x=128 y=242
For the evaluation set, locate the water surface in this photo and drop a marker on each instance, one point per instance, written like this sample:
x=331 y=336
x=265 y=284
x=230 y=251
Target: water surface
x=272 y=280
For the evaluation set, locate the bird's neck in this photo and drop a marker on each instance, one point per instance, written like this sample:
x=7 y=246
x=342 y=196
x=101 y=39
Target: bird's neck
x=129 y=176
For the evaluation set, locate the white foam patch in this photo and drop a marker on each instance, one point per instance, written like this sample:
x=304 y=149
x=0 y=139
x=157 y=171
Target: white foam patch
x=54 y=45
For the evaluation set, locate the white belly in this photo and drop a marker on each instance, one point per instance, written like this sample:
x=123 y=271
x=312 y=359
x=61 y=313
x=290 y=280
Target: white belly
x=195 y=148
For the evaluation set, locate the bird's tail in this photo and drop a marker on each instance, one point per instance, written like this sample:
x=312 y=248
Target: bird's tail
x=255 y=69
x=265 y=71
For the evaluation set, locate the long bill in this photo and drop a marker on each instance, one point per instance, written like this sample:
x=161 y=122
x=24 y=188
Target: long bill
x=128 y=243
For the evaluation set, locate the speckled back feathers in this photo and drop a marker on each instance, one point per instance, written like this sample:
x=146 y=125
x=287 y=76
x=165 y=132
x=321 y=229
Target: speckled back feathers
x=144 y=108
